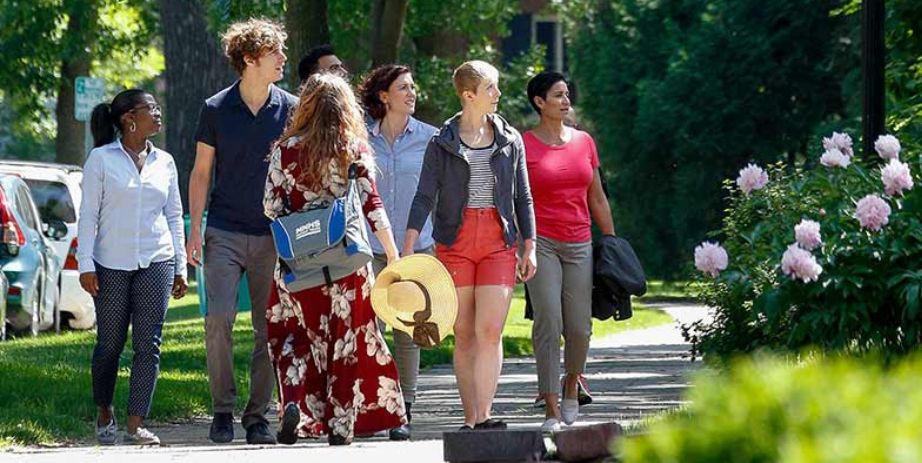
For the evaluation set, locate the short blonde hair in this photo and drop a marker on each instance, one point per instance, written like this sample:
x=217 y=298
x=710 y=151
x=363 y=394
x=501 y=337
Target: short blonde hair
x=471 y=73
x=252 y=38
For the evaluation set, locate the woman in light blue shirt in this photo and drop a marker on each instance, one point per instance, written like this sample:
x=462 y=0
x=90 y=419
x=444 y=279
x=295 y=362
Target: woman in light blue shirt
x=399 y=140
x=130 y=253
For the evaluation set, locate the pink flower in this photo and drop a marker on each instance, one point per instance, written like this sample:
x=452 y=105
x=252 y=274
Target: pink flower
x=799 y=263
x=839 y=141
x=872 y=212
x=752 y=177
x=887 y=146
x=710 y=258
x=896 y=177
x=807 y=233
x=835 y=158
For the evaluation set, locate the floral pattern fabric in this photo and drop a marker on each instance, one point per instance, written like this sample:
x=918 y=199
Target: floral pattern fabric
x=330 y=358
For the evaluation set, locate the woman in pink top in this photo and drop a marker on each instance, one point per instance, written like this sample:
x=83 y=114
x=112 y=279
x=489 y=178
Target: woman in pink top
x=563 y=170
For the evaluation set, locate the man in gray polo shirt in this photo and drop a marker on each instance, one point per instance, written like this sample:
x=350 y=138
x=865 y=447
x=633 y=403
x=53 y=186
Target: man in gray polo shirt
x=236 y=130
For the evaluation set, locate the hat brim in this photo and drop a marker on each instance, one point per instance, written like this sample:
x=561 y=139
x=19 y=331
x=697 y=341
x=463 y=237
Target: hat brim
x=433 y=276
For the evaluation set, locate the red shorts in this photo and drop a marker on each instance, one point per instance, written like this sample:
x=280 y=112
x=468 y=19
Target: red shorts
x=479 y=256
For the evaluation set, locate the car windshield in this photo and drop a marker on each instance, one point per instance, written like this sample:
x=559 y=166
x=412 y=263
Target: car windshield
x=53 y=200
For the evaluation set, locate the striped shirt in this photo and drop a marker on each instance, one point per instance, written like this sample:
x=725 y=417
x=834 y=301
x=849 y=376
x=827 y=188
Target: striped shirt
x=480 y=188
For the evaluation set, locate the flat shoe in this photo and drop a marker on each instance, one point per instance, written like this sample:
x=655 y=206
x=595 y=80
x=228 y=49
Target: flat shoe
x=288 y=434
x=569 y=410
x=550 y=425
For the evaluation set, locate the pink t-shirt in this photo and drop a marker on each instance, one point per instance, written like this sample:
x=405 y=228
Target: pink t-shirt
x=560 y=177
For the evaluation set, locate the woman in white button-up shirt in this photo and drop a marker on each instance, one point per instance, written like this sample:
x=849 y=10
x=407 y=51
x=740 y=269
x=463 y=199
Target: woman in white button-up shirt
x=130 y=252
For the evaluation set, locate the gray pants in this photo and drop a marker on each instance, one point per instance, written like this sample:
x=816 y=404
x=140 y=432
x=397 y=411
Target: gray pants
x=561 y=296
x=406 y=353
x=227 y=256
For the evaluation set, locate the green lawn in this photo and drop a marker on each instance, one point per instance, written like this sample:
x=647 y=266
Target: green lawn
x=45 y=387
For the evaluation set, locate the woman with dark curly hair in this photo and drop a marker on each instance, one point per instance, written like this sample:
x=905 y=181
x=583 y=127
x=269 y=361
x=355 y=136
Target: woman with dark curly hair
x=399 y=141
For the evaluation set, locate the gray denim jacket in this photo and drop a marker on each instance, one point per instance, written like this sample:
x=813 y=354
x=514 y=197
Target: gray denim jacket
x=443 y=184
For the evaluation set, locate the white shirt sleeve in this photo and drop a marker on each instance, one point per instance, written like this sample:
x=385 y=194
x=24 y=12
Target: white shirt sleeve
x=173 y=212
x=92 y=186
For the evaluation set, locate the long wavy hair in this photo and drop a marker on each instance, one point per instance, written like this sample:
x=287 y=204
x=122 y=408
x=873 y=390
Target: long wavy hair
x=330 y=125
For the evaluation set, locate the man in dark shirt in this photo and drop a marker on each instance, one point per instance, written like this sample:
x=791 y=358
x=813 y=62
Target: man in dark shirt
x=321 y=58
x=236 y=129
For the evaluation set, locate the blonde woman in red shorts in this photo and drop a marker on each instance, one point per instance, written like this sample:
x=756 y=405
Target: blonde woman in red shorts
x=474 y=178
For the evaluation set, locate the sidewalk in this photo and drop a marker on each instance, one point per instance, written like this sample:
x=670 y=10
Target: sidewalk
x=632 y=375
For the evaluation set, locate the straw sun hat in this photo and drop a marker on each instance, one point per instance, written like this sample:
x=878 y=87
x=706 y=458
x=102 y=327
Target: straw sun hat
x=416 y=295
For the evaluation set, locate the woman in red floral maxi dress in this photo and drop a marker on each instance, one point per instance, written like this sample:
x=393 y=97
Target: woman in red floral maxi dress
x=336 y=374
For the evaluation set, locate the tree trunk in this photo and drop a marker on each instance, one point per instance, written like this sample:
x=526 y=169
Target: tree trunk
x=195 y=69
x=387 y=18
x=873 y=51
x=307 y=26
x=79 y=37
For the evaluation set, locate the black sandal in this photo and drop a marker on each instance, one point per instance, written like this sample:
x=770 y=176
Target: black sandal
x=491 y=423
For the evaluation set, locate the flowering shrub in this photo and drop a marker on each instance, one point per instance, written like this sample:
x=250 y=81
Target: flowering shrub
x=826 y=257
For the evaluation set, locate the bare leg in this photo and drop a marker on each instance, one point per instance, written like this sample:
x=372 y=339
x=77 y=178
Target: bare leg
x=552 y=409
x=134 y=422
x=569 y=386
x=105 y=415
x=492 y=305
x=465 y=353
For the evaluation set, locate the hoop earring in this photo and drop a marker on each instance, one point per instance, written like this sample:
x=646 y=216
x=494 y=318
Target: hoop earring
x=133 y=127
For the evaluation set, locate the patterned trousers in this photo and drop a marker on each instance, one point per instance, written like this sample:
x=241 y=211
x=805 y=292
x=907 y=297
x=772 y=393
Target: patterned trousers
x=139 y=298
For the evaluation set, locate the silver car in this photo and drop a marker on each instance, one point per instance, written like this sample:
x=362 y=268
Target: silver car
x=57 y=194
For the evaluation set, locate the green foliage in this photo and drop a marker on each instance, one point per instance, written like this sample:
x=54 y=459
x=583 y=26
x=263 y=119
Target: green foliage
x=437 y=92
x=869 y=295
x=818 y=411
x=904 y=69
x=221 y=13
x=476 y=25
x=119 y=41
x=683 y=94
x=32 y=72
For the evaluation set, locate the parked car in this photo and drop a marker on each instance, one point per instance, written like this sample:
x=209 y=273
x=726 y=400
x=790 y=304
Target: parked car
x=28 y=259
x=4 y=288
x=57 y=194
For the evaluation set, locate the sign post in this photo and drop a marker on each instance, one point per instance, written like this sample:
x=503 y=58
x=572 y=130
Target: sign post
x=88 y=92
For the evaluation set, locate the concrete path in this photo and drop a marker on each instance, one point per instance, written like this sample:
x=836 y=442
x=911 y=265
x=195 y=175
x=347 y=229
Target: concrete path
x=632 y=375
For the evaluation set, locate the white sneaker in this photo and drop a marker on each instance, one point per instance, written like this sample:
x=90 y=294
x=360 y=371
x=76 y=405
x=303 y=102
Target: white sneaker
x=569 y=410
x=107 y=434
x=141 y=437
x=550 y=425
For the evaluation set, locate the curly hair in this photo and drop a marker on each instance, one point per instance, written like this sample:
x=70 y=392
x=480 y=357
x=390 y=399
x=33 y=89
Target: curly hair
x=252 y=38
x=329 y=125
x=379 y=80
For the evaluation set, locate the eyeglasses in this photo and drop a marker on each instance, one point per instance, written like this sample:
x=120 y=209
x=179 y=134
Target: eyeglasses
x=150 y=107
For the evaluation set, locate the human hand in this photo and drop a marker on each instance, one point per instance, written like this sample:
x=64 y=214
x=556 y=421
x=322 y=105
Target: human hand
x=526 y=264
x=179 y=287
x=194 y=249
x=90 y=283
